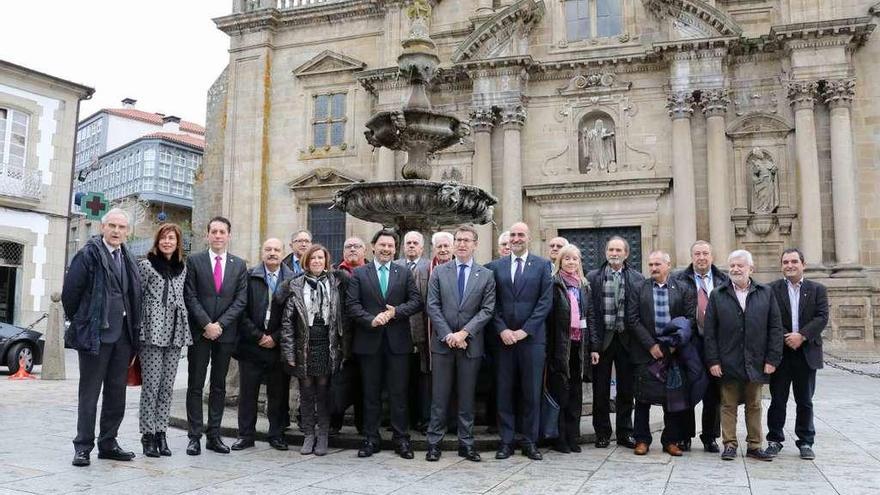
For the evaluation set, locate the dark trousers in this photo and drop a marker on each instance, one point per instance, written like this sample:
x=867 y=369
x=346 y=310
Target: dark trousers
x=793 y=374
x=251 y=375
x=711 y=416
x=346 y=389
x=569 y=394
x=107 y=370
x=489 y=372
x=522 y=364
x=618 y=356
x=396 y=370
x=672 y=424
x=419 y=392
x=453 y=371
x=199 y=355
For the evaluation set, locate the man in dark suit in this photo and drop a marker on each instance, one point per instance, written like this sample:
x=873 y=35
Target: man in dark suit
x=803 y=305
x=654 y=303
x=258 y=350
x=461 y=301
x=523 y=300
x=102 y=299
x=703 y=276
x=381 y=298
x=216 y=295
x=609 y=285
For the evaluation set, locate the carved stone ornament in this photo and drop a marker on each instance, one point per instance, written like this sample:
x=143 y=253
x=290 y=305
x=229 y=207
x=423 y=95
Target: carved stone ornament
x=763 y=173
x=597 y=146
x=482 y=119
x=513 y=116
x=839 y=92
x=680 y=104
x=802 y=94
x=714 y=101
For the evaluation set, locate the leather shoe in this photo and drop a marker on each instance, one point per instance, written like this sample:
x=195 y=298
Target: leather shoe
x=278 y=444
x=367 y=449
x=602 y=443
x=433 y=454
x=773 y=448
x=674 y=450
x=711 y=446
x=641 y=448
x=242 y=443
x=759 y=454
x=162 y=444
x=116 y=454
x=404 y=449
x=562 y=447
x=469 y=453
x=685 y=445
x=504 y=451
x=807 y=452
x=729 y=453
x=194 y=447
x=532 y=452
x=216 y=444
x=628 y=442
x=81 y=458
x=574 y=447
x=148 y=441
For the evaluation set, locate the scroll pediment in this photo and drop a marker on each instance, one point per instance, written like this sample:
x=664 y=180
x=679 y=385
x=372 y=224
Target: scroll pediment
x=504 y=35
x=323 y=177
x=326 y=62
x=759 y=124
x=694 y=19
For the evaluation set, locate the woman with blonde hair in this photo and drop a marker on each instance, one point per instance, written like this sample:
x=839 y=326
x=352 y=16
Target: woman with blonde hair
x=164 y=332
x=569 y=343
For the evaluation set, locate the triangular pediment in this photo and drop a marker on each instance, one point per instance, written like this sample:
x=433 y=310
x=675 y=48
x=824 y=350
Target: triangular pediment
x=323 y=177
x=327 y=62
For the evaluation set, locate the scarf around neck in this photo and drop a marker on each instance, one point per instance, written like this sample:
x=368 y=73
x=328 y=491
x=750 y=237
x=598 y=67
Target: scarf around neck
x=318 y=301
x=572 y=288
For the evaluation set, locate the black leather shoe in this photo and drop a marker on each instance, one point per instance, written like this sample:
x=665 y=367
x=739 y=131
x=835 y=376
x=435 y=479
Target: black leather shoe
x=561 y=446
x=773 y=448
x=217 y=445
x=242 y=443
x=504 y=451
x=116 y=454
x=81 y=459
x=532 y=452
x=711 y=446
x=277 y=444
x=194 y=447
x=433 y=454
x=602 y=443
x=628 y=442
x=685 y=445
x=404 y=449
x=148 y=442
x=367 y=449
x=759 y=454
x=469 y=453
x=574 y=447
x=162 y=444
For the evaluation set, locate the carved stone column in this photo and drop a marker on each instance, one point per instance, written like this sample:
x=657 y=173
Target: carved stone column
x=714 y=105
x=512 y=120
x=482 y=121
x=838 y=96
x=802 y=96
x=681 y=107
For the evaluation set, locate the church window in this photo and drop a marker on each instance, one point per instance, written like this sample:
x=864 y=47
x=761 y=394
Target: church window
x=585 y=19
x=329 y=122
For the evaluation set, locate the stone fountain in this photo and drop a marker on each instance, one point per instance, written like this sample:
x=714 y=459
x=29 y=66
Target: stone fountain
x=416 y=202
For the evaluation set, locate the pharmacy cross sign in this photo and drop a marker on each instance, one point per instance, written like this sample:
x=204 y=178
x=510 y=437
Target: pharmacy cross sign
x=94 y=205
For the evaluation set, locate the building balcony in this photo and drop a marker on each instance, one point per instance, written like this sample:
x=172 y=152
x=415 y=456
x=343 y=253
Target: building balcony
x=21 y=182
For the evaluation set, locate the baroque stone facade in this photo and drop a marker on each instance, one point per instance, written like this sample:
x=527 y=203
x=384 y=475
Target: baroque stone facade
x=751 y=124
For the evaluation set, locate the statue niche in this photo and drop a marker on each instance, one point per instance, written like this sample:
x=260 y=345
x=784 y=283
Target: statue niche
x=597 y=144
x=763 y=172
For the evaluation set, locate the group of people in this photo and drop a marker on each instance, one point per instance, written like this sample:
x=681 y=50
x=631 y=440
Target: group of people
x=427 y=330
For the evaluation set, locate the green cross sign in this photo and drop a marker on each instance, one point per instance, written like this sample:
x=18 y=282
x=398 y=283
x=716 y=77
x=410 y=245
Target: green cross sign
x=94 y=205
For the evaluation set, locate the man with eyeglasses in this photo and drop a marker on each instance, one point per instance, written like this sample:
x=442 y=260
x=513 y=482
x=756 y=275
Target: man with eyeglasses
x=354 y=255
x=300 y=242
x=553 y=247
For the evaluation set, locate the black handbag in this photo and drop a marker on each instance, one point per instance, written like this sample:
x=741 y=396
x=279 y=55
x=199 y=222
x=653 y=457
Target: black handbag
x=549 y=414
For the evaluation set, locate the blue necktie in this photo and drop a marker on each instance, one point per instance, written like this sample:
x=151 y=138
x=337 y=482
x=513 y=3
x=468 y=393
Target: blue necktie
x=273 y=282
x=383 y=279
x=461 y=268
x=519 y=270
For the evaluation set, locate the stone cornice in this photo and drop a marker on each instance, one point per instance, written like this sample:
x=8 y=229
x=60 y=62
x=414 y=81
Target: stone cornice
x=496 y=66
x=325 y=12
x=859 y=28
x=568 y=191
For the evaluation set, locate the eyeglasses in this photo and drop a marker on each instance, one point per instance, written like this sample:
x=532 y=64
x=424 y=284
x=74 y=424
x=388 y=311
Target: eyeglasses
x=464 y=240
x=353 y=246
x=557 y=245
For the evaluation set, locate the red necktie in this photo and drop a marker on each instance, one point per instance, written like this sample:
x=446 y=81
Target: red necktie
x=218 y=273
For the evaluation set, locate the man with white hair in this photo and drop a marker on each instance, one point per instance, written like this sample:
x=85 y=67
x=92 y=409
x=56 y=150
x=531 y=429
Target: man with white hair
x=504 y=244
x=743 y=332
x=554 y=246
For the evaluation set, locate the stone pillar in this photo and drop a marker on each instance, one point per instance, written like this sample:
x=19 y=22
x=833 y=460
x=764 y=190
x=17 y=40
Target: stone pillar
x=385 y=167
x=802 y=96
x=53 y=353
x=844 y=189
x=482 y=121
x=681 y=106
x=512 y=121
x=714 y=104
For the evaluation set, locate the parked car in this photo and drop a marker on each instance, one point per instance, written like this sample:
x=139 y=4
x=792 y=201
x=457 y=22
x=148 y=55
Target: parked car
x=18 y=343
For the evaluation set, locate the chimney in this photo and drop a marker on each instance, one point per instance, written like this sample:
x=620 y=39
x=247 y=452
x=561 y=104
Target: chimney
x=129 y=103
x=170 y=123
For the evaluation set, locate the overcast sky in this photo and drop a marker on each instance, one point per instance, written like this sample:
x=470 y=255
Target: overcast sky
x=163 y=53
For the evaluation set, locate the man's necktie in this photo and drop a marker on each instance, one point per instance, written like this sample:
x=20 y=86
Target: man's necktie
x=218 y=273
x=518 y=274
x=461 y=268
x=702 y=302
x=412 y=266
x=117 y=261
x=273 y=282
x=383 y=279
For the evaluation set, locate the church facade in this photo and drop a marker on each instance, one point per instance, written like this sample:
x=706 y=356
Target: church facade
x=753 y=124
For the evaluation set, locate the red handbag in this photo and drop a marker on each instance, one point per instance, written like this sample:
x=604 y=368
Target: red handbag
x=135 y=378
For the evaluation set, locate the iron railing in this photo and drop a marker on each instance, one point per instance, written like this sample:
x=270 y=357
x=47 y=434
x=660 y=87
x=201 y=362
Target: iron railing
x=20 y=182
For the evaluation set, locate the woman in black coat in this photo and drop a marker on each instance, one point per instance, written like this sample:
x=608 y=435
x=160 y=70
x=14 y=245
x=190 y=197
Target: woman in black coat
x=568 y=345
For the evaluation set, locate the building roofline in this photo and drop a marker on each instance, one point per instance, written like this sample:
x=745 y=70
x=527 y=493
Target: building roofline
x=85 y=92
x=150 y=137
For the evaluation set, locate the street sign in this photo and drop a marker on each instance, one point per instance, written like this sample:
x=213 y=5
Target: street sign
x=94 y=205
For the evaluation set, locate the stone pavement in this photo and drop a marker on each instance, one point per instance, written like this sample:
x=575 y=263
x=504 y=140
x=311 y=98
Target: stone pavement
x=37 y=423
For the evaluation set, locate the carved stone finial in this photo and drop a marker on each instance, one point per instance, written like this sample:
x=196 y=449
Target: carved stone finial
x=680 y=104
x=714 y=101
x=839 y=92
x=802 y=94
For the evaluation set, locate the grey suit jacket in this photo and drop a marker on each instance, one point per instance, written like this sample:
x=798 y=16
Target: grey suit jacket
x=418 y=322
x=448 y=314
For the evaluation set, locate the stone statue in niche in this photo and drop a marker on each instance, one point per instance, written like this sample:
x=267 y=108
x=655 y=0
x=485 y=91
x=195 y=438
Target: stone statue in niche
x=763 y=172
x=597 y=147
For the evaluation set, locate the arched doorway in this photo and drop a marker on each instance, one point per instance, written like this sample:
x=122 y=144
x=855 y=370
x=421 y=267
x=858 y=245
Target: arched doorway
x=11 y=254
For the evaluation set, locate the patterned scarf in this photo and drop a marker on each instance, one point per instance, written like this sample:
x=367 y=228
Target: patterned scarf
x=319 y=303
x=613 y=294
x=573 y=288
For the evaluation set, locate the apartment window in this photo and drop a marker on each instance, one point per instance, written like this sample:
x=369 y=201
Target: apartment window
x=177 y=188
x=164 y=170
x=165 y=157
x=13 y=136
x=585 y=19
x=328 y=125
x=162 y=186
x=148 y=184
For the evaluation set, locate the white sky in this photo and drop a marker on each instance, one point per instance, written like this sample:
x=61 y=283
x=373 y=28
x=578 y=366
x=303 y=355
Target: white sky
x=163 y=53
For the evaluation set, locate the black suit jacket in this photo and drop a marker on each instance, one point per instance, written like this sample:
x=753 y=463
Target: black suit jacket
x=364 y=301
x=203 y=303
x=524 y=306
x=812 y=316
x=640 y=314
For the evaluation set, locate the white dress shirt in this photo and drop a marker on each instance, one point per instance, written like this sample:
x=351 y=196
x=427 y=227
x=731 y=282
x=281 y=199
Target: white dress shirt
x=794 y=298
x=513 y=257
